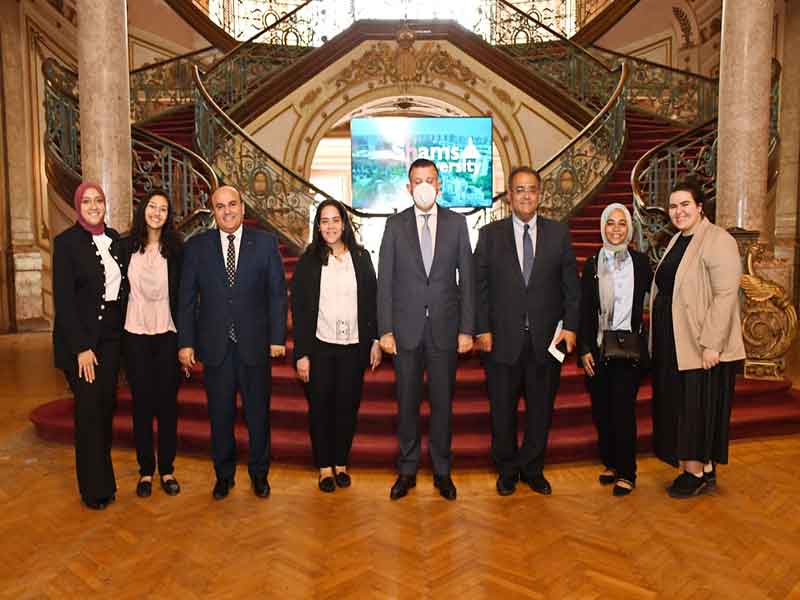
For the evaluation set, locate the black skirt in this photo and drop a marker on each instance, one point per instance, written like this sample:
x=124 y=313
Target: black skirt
x=691 y=409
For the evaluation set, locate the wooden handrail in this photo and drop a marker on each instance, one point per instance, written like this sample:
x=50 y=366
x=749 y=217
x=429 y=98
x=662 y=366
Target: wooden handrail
x=655 y=64
x=172 y=59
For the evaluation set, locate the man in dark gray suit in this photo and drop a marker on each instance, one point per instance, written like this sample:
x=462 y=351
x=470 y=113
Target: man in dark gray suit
x=426 y=316
x=527 y=282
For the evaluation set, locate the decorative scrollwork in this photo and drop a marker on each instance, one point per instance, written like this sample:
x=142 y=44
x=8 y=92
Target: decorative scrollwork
x=274 y=194
x=166 y=84
x=693 y=153
x=386 y=63
x=769 y=321
x=680 y=96
x=156 y=162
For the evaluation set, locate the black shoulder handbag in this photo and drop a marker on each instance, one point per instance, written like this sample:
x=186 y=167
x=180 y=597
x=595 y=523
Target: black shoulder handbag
x=625 y=345
x=621 y=344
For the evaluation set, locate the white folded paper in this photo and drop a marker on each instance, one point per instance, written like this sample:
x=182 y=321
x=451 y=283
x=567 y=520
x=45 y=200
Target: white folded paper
x=557 y=354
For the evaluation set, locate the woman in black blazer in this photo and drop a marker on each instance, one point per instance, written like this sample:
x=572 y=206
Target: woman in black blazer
x=153 y=253
x=88 y=293
x=613 y=287
x=333 y=296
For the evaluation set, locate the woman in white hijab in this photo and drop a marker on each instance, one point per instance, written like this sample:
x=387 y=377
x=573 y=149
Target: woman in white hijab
x=613 y=287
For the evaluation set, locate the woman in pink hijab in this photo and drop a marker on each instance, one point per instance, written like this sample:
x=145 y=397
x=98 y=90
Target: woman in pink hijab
x=88 y=290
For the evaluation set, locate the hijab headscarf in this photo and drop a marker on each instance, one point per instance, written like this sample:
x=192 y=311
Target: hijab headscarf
x=76 y=199
x=606 y=265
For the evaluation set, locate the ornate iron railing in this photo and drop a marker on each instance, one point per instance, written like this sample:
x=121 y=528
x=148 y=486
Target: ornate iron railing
x=270 y=50
x=574 y=173
x=680 y=96
x=277 y=196
x=693 y=153
x=156 y=162
x=549 y=54
x=284 y=199
x=168 y=83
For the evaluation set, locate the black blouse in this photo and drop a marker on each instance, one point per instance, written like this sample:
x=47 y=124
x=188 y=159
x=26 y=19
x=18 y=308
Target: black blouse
x=665 y=276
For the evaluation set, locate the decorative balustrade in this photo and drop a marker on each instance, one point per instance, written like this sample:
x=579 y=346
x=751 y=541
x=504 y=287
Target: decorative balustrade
x=276 y=195
x=156 y=162
x=572 y=175
x=168 y=83
x=546 y=51
x=693 y=153
x=686 y=98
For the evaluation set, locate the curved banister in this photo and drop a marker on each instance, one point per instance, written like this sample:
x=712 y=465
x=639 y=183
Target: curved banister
x=683 y=97
x=164 y=85
x=583 y=164
x=157 y=161
x=692 y=152
x=656 y=65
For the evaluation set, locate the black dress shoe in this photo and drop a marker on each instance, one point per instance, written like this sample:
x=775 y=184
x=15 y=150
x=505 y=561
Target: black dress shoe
x=170 y=486
x=402 y=485
x=327 y=484
x=144 y=488
x=506 y=485
x=445 y=485
x=343 y=479
x=222 y=488
x=607 y=477
x=539 y=484
x=261 y=486
x=623 y=487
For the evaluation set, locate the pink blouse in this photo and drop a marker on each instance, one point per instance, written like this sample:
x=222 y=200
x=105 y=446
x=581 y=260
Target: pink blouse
x=148 y=303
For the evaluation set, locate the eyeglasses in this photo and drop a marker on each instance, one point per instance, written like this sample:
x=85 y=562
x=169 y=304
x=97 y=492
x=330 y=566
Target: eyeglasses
x=526 y=189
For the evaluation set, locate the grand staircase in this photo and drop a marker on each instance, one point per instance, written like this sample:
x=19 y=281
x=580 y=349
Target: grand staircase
x=760 y=407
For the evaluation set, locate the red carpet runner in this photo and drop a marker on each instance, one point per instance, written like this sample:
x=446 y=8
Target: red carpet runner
x=761 y=408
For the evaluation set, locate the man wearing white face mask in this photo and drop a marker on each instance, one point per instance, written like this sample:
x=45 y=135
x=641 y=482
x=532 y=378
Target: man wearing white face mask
x=426 y=312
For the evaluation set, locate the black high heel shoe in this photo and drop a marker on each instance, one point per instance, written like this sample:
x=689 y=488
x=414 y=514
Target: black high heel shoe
x=327 y=484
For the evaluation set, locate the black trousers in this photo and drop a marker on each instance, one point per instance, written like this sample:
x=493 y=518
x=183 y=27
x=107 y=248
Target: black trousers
x=538 y=383
x=334 y=395
x=94 y=411
x=253 y=384
x=152 y=368
x=409 y=366
x=613 y=390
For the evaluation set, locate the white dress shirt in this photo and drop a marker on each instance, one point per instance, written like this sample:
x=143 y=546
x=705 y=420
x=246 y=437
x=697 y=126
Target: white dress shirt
x=237 y=243
x=623 y=291
x=519 y=231
x=113 y=274
x=337 y=322
x=431 y=224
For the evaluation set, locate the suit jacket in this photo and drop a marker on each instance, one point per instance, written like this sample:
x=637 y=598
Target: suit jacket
x=78 y=292
x=305 y=302
x=404 y=291
x=590 y=300
x=127 y=245
x=705 y=299
x=256 y=304
x=503 y=299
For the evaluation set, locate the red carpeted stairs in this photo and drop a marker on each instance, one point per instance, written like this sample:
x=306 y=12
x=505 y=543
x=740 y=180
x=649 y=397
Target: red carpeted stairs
x=761 y=408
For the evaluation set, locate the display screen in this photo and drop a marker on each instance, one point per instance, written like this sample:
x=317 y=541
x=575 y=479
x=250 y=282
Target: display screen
x=383 y=148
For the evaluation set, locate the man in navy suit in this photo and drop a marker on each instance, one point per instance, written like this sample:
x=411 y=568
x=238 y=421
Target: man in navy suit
x=232 y=317
x=425 y=316
x=527 y=282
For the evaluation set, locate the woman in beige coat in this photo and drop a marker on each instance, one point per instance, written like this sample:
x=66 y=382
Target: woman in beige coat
x=696 y=337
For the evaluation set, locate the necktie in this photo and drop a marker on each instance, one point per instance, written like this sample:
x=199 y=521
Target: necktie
x=527 y=254
x=230 y=268
x=426 y=245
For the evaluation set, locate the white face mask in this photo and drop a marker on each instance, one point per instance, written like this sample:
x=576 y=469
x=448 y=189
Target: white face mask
x=424 y=196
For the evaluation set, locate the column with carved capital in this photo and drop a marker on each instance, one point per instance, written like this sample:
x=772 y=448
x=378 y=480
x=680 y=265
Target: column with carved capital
x=104 y=103
x=744 y=98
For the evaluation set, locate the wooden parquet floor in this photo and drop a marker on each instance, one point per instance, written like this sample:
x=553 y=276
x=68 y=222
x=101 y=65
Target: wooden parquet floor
x=741 y=542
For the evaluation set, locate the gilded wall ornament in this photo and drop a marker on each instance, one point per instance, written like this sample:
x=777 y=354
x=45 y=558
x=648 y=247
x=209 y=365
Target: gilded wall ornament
x=400 y=64
x=769 y=321
x=503 y=96
x=309 y=98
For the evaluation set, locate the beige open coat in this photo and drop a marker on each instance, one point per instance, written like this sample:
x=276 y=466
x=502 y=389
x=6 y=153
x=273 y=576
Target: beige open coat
x=705 y=299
